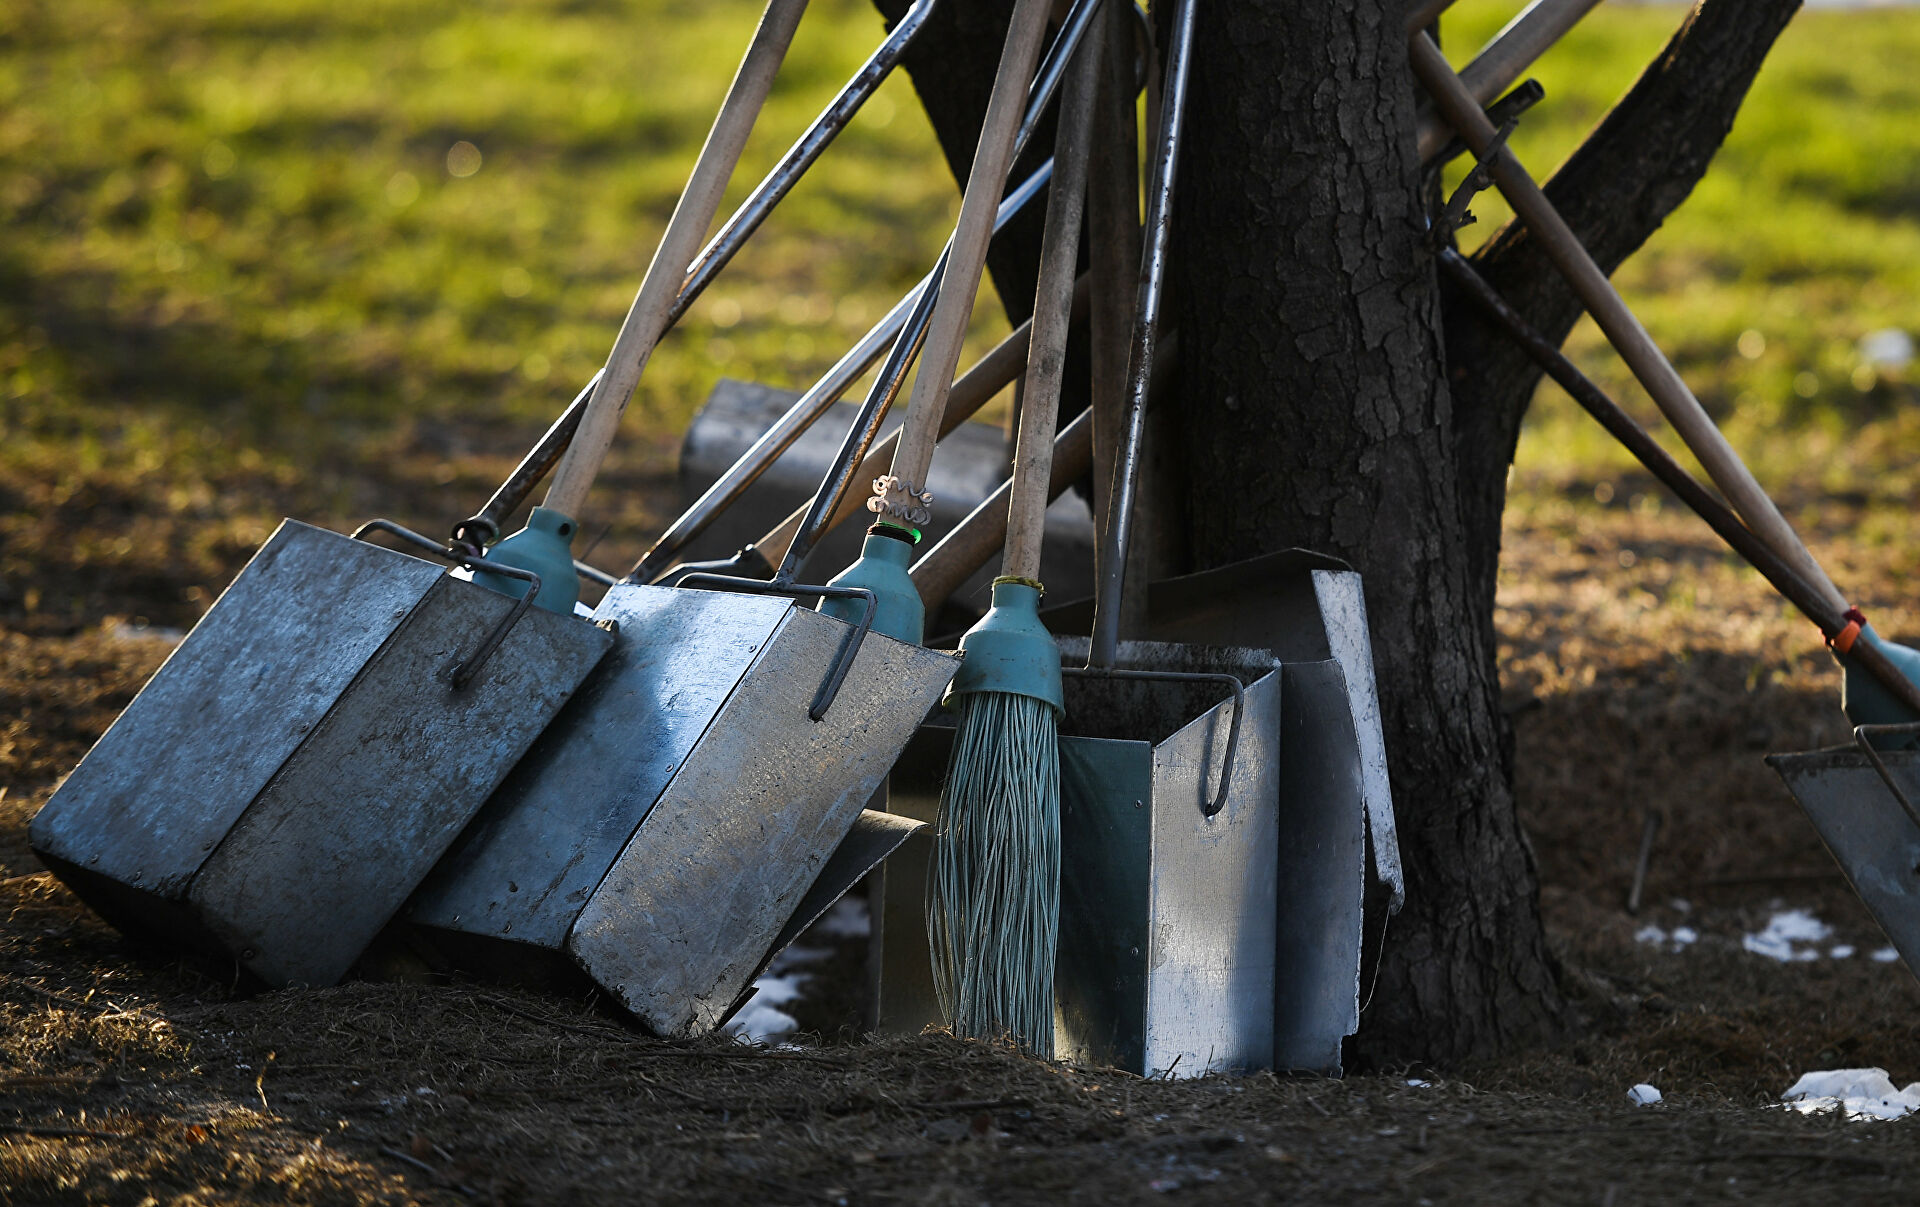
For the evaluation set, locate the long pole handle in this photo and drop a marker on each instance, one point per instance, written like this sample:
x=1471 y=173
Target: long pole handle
x=902 y=493
x=1674 y=476
x=1622 y=329
x=1500 y=62
x=647 y=318
x=1052 y=313
x=941 y=570
x=971 y=391
x=1104 y=647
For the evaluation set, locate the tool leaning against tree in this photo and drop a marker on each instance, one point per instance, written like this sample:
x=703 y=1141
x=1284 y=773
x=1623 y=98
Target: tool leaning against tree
x=1865 y=700
x=993 y=890
x=667 y=825
x=482 y=528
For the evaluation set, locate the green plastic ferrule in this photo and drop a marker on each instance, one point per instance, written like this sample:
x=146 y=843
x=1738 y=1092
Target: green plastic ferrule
x=1865 y=701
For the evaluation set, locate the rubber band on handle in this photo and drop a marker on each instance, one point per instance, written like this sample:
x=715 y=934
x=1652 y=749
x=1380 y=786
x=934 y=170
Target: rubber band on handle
x=1843 y=641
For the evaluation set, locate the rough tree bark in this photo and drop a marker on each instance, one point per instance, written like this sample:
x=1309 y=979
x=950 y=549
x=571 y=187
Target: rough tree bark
x=1317 y=410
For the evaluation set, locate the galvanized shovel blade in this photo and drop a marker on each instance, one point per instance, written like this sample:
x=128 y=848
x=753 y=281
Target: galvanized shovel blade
x=875 y=836
x=1872 y=839
x=685 y=915
x=523 y=870
x=304 y=758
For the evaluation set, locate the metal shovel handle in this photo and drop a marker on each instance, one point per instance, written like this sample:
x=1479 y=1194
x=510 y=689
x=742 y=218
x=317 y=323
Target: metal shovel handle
x=849 y=645
x=1105 y=644
x=1219 y=801
x=482 y=528
x=469 y=668
x=1861 y=738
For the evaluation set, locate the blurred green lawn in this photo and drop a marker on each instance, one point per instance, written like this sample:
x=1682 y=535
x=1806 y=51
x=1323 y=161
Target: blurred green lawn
x=273 y=255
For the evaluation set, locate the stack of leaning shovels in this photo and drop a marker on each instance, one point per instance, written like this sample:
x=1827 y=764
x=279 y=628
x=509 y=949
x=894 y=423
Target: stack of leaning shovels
x=443 y=752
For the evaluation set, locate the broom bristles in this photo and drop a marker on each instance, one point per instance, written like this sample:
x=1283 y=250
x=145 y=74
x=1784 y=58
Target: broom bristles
x=993 y=889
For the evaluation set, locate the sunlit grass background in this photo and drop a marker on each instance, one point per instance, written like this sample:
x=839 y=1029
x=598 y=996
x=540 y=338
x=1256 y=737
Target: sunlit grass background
x=271 y=256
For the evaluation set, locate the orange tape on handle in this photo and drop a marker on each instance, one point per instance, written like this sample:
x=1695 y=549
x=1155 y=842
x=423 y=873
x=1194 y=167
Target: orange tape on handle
x=1843 y=641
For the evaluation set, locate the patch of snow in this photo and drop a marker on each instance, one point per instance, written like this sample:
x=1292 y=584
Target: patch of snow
x=1644 y=1095
x=1884 y=955
x=120 y=630
x=761 y=1020
x=1785 y=930
x=1841 y=951
x=1857 y=1093
x=1674 y=940
x=1417 y=1083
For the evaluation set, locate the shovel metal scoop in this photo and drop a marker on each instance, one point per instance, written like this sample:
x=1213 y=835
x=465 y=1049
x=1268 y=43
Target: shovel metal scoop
x=1845 y=790
x=320 y=737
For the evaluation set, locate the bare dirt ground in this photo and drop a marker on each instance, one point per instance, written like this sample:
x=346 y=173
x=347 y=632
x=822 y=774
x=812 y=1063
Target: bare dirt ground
x=1645 y=673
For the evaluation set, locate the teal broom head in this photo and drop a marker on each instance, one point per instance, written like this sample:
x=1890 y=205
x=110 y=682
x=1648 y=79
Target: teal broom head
x=544 y=546
x=994 y=884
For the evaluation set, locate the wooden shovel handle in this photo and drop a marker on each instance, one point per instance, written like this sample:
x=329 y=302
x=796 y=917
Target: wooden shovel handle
x=1500 y=62
x=646 y=319
x=972 y=390
x=991 y=158
x=1674 y=476
x=951 y=562
x=1622 y=329
x=1052 y=312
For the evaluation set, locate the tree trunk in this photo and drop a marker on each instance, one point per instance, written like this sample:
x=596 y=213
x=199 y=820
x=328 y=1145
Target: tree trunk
x=1318 y=415
x=1316 y=410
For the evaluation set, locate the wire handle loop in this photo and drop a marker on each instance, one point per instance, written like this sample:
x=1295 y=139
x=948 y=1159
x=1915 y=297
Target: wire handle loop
x=1231 y=682
x=465 y=673
x=849 y=645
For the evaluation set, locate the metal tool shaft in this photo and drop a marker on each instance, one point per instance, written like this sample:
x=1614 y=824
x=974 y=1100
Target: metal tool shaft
x=800 y=157
x=806 y=409
x=1146 y=327
x=900 y=358
x=1674 y=476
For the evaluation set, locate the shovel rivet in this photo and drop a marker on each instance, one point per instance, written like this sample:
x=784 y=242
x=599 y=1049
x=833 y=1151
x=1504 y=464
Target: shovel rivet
x=1137 y=805
x=247 y=953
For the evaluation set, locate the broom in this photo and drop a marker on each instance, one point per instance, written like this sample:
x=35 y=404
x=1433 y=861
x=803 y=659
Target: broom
x=993 y=889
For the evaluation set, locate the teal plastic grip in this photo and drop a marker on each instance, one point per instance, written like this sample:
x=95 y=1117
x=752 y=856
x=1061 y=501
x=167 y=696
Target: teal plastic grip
x=544 y=546
x=882 y=569
x=1868 y=703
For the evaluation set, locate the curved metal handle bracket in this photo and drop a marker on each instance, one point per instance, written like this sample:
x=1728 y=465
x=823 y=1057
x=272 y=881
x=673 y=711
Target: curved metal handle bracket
x=849 y=645
x=1219 y=801
x=1862 y=735
x=466 y=671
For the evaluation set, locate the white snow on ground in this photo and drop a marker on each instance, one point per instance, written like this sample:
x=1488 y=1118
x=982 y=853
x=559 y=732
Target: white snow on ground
x=761 y=1020
x=1644 y=1095
x=1791 y=936
x=1858 y=1093
x=1788 y=937
x=1673 y=940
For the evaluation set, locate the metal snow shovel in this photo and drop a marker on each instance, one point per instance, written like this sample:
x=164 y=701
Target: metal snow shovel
x=1845 y=790
x=669 y=823
x=663 y=830
x=299 y=762
x=1863 y=697
x=334 y=720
